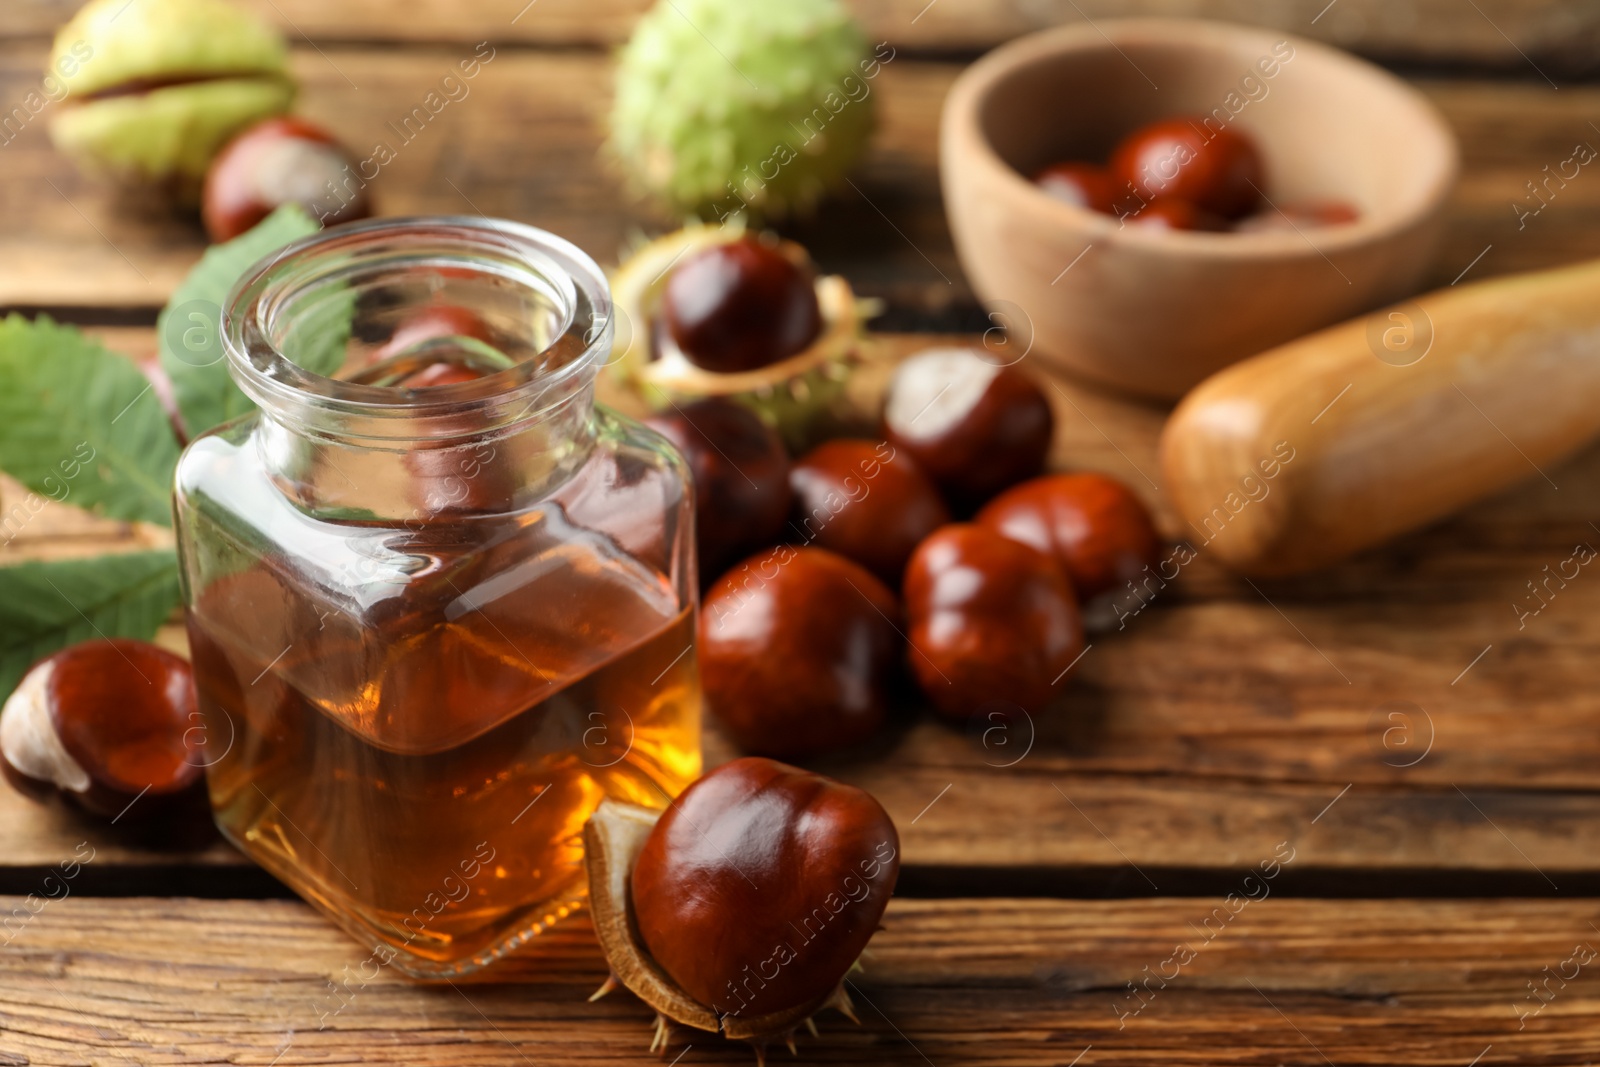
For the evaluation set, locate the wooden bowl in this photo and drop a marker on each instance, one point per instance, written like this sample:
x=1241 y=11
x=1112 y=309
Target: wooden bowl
x=1153 y=312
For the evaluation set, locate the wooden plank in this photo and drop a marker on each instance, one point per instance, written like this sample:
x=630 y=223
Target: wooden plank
x=525 y=144
x=1226 y=717
x=1526 y=35
x=971 y=982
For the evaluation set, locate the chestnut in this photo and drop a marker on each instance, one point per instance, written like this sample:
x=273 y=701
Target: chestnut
x=867 y=501
x=1080 y=184
x=973 y=426
x=741 y=305
x=741 y=478
x=799 y=650
x=1216 y=169
x=105 y=722
x=741 y=907
x=276 y=162
x=992 y=622
x=1094 y=526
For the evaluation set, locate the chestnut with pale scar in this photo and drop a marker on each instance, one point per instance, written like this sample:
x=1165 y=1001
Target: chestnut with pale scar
x=974 y=426
x=105 y=722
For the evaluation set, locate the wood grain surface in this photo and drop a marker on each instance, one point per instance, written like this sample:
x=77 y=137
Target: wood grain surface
x=1398 y=724
x=1527 y=36
x=970 y=982
x=525 y=143
x=1455 y=736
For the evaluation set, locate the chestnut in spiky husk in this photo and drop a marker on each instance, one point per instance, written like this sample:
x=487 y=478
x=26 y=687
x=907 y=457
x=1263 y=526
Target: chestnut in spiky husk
x=719 y=102
x=741 y=305
x=742 y=907
x=719 y=311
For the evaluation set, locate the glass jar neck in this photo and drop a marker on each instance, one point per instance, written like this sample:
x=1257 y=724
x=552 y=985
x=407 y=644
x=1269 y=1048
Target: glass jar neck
x=317 y=339
x=479 y=472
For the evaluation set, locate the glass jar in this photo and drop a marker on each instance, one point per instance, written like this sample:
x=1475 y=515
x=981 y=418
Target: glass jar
x=434 y=627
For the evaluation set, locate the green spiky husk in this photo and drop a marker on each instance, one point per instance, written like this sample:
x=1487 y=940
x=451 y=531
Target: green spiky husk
x=215 y=69
x=166 y=136
x=729 y=106
x=805 y=410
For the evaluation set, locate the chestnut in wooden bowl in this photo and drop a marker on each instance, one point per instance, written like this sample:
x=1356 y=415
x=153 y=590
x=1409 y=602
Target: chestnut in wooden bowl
x=1153 y=311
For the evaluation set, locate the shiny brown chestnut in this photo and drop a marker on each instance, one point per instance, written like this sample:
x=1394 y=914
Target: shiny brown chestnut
x=741 y=478
x=1190 y=158
x=799 y=652
x=802 y=866
x=867 y=501
x=741 y=305
x=105 y=722
x=1094 y=526
x=741 y=907
x=974 y=426
x=276 y=162
x=992 y=622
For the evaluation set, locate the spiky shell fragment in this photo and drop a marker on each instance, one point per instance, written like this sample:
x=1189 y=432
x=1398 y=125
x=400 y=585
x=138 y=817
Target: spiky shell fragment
x=727 y=106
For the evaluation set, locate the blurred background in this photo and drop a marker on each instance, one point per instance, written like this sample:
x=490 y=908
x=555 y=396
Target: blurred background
x=1514 y=77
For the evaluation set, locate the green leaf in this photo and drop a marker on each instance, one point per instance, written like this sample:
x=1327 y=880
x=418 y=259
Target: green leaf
x=48 y=606
x=190 y=327
x=80 y=424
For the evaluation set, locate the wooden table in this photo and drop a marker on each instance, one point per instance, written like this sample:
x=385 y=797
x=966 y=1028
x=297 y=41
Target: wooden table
x=1438 y=905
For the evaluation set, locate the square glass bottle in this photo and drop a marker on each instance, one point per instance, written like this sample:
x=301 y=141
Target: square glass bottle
x=434 y=625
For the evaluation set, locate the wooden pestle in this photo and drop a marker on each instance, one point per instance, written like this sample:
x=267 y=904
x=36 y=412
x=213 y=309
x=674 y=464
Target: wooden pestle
x=1391 y=420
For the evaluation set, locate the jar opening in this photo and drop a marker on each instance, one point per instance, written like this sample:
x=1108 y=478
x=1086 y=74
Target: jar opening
x=345 y=332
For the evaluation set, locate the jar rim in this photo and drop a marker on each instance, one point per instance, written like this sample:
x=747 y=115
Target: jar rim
x=526 y=390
